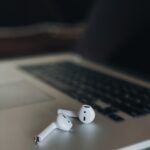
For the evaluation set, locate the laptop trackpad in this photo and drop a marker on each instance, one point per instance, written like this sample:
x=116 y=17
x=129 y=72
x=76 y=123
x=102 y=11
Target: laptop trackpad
x=21 y=93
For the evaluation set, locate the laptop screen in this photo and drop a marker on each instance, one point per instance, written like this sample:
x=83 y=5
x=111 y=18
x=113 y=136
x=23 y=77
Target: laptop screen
x=118 y=34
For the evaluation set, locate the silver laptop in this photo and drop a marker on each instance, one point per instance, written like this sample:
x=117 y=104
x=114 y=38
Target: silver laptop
x=32 y=89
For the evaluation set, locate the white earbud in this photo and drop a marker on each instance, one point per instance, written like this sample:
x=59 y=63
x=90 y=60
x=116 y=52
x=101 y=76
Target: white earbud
x=62 y=122
x=86 y=113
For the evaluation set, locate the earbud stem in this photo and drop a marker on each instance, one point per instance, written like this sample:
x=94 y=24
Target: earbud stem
x=41 y=136
x=67 y=113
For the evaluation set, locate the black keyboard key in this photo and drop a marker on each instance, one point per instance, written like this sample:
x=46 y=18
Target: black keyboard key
x=98 y=108
x=110 y=110
x=116 y=118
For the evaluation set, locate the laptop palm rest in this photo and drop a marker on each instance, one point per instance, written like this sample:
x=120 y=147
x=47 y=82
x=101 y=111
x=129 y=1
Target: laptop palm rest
x=21 y=93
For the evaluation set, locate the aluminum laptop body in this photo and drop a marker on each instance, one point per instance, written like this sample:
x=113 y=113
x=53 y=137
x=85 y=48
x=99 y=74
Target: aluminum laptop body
x=28 y=105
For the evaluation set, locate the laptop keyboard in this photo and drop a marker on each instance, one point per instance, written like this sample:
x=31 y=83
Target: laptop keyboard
x=107 y=94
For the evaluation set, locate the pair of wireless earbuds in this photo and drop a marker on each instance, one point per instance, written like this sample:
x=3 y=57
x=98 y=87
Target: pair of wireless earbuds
x=86 y=115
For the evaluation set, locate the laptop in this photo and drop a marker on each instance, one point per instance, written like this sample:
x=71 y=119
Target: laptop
x=98 y=73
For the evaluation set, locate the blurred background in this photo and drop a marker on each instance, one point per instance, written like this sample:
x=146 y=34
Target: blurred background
x=30 y=27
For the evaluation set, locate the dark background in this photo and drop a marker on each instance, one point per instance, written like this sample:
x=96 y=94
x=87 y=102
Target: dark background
x=118 y=35
x=25 y=12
